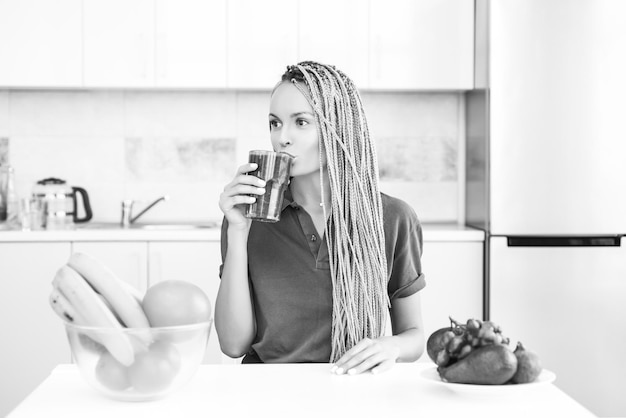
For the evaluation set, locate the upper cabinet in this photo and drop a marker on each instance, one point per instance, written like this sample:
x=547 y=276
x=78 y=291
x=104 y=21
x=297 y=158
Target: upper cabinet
x=40 y=43
x=118 y=43
x=339 y=38
x=240 y=44
x=155 y=43
x=190 y=43
x=426 y=44
x=262 y=41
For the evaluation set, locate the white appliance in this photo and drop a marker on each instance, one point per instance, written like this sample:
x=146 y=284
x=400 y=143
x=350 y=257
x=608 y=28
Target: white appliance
x=546 y=180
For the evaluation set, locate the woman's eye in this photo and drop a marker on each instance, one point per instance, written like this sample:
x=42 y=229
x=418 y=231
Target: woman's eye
x=274 y=124
x=302 y=122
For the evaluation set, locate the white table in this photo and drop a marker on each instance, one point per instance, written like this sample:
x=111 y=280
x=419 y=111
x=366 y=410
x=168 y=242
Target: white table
x=296 y=390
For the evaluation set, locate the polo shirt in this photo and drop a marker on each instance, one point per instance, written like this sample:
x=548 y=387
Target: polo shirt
x=289 y=273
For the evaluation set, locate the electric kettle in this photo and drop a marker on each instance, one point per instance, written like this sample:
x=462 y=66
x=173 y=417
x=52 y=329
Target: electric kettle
x=60 y=203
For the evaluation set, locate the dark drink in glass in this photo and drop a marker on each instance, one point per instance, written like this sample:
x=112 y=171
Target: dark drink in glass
x=274 y=168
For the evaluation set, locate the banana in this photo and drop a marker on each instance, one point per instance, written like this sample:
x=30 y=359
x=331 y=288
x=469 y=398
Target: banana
x=86 y=301
x=124 y=300
x=132 y=290
x=67 y=312
x=64 y=309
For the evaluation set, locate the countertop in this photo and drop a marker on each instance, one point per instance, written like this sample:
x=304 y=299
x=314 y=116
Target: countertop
x=431 y=232
x=300 y=390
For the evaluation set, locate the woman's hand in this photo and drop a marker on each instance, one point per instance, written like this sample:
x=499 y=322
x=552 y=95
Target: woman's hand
x=236 y=196
x=380 y=354
x=374 y=355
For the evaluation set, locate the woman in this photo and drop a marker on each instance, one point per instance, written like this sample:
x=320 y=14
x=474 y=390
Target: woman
x=286 y=293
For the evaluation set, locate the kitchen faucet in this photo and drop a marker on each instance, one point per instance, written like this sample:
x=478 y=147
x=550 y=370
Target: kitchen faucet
x=127 y=209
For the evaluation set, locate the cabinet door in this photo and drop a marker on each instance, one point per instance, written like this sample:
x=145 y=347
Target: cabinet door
x=40 y=43
x=454 y=283
x=33 y=337
x=198 y=263
x=426 y=44
x=339 y=38
x=119 y=43
x=128 y=260
x=190 y=43
x=262 y=41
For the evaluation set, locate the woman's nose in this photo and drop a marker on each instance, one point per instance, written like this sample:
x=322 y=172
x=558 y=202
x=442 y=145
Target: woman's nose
x=285 y=138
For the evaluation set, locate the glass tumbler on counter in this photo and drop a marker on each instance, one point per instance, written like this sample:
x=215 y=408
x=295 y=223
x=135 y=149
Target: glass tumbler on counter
x=32 y=214
x=275 y=169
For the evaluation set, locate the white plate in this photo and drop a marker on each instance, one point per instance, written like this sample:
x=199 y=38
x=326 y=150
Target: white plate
x=430 y=374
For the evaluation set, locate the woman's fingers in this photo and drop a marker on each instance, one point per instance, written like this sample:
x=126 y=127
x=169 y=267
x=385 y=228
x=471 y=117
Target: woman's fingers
x=239 y=189
x=383 y=366
x=246 y=168
x=374 y=355
x=242 y=200
x=353 y=356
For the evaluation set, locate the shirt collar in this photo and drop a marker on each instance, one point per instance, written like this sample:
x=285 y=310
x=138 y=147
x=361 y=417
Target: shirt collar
x=288 y=200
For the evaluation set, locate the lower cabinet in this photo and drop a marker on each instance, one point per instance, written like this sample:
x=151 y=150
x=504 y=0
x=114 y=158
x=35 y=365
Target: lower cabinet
x=33 y=337
x=198 y=263
x=454 y=283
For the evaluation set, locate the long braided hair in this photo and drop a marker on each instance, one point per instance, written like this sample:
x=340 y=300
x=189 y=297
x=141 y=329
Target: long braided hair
x=355 y=236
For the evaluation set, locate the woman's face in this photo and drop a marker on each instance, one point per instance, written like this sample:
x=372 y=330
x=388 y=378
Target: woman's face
x=293 y=129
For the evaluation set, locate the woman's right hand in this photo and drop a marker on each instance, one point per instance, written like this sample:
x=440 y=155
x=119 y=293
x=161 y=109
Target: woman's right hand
x=236 y=196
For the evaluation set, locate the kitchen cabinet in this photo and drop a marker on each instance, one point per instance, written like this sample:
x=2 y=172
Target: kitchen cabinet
x=262 y=40
x=339 y=38
x=454 y=283
x=33 y=337
x=155 y=43
x=190 y=43
x=119 y=43
x=426 y=44
x=198 y=263
x=40 y=43
x=128 y=260
x=242 y=44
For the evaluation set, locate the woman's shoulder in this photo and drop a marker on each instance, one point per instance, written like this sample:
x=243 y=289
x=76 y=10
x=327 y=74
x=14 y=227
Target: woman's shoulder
x=401 y=223
x=399 y=217
x=394 y=208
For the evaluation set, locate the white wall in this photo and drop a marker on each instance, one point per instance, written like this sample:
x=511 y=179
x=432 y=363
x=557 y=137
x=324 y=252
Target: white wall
x=143 y=144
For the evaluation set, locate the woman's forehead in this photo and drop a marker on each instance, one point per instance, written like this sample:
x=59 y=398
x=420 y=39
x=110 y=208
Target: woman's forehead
x=287 y=98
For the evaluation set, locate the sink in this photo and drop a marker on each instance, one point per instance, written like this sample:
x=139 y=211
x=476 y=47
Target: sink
x=156 y=226
x=174 y=227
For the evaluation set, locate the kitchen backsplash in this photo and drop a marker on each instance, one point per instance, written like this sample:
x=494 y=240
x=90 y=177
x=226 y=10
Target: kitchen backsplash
x=141 y=145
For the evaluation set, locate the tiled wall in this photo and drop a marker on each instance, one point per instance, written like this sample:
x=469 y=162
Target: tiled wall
x=141 y=145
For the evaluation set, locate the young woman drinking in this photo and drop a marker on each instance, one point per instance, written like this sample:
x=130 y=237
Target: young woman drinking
x=320 y=284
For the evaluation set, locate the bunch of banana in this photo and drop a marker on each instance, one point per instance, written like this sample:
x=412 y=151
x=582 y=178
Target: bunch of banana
x=86 y=292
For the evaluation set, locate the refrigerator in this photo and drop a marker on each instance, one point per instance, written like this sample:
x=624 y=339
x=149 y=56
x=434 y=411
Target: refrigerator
x=546 y=181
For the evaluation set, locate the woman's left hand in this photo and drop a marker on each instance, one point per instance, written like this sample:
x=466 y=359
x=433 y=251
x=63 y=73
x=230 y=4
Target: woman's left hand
x=374 y=355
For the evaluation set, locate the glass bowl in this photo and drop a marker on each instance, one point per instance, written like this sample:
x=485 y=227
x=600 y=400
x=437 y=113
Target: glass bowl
x=138 y=364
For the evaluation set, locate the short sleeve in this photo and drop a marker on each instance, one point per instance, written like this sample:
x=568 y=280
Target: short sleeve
x=223 y=243
x=403 y=242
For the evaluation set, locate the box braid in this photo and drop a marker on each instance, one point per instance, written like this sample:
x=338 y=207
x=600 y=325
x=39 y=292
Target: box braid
x=355 y=235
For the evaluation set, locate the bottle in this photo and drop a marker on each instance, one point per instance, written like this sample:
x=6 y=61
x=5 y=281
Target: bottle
x=8 y=199
x=4 y=183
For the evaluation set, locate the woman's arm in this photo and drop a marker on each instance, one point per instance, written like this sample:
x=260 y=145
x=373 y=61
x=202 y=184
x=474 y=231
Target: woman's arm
x=405 y=345
x=234 y=316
